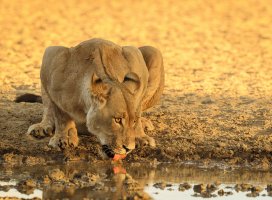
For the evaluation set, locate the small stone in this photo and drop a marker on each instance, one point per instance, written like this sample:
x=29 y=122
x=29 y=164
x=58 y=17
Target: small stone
x=207 y=100
x=206 y=194
x=181 y=188
x=252 y=194
x=56 y=175
x=161 y=185
x=46 y=180
x=221 y=192
x=228 y=193
x=269 y=188
x=245 y=187
x=257 y=189
x=199 y=188
x=211 y=187
x=30 y=183
x=238 y=187
x=187 y=186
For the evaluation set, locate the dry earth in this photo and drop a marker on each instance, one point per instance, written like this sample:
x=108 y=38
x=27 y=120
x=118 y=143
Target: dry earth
x=218 y=60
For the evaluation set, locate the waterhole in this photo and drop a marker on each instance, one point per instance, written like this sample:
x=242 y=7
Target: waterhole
x=106 y=180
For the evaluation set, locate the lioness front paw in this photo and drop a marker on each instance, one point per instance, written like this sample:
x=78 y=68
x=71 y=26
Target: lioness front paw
x=145 y=141
x=40 y=130
x=65 y=140
x=147 y=124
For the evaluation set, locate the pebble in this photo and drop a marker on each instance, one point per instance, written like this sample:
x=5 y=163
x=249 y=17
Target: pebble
x=56 y=175
x=269 y=188
x=160 y=185
x=186 y=186
x=199 y=188
x=221 y=192
x=257 y=189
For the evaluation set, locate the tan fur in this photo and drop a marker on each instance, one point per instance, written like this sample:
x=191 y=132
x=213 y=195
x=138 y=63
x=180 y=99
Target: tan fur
x=103 y=85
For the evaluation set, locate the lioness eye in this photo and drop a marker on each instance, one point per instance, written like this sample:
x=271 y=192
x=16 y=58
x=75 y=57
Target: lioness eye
x=118 y=120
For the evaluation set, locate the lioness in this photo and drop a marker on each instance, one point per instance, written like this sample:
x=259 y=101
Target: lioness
x=103 y=85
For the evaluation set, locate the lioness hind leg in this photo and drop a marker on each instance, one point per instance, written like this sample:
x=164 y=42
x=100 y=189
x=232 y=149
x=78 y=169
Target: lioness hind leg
x=46 y=127
x=65 y=131
x=154 y=64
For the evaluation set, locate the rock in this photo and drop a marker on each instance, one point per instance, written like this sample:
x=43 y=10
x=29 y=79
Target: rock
x=30 y=183
x=46 y=180
x=186 y=186
x=199 y=188
x=238 y=187
x=161 y=185
x=211 y=187
x=27 y=186
x=256 y=189
x=243 y=187
x=31 y=160
x=252 y=194
x=57 y=175
x=169 y=185
x=228 y=193
x=138 y=196
x=269 y=188
x=221 y=192
x=206 y=194
x=11 y=158
x=207 y=100
x=85 y=179
x=246 y=187
x=181 y=188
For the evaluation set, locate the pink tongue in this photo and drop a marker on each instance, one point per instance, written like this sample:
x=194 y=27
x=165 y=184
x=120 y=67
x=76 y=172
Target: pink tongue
x=118 y=157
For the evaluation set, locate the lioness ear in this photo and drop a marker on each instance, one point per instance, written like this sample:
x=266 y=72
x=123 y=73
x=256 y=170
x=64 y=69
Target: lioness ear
x=132 y=81
x=99 y=88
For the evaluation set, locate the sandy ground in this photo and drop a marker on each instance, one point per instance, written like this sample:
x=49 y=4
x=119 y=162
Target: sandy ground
x=218 y=60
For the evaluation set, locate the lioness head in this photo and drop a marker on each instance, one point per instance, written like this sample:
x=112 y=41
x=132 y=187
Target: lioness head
x=117 y=85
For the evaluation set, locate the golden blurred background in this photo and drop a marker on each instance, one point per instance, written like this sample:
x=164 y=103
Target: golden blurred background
x=209 y=47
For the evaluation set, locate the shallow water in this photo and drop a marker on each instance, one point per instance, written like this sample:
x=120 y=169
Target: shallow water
x=143 y=180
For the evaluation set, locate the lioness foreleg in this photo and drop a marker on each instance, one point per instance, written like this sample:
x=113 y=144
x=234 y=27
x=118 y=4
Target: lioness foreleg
x=142 y=138
x=65 y=132
x=46 y=127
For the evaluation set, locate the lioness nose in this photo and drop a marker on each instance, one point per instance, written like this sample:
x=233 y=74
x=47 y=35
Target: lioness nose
x=129 y=148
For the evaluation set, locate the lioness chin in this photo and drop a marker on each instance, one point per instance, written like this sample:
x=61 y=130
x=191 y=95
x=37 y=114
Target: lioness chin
x=103 y=85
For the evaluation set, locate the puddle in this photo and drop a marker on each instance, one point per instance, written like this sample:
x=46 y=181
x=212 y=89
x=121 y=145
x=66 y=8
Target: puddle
x=173 y=193
x=132 y=181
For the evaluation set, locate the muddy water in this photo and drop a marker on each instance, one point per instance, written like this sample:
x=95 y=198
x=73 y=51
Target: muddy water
x=105 y=180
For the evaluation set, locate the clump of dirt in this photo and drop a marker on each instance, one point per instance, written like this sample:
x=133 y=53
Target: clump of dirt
x=86 y=179
x=17 y=159
x=57 y=175
x=184 y=186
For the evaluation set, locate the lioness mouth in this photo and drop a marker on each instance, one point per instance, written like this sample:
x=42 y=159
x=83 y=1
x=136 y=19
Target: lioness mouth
x=110 y=153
